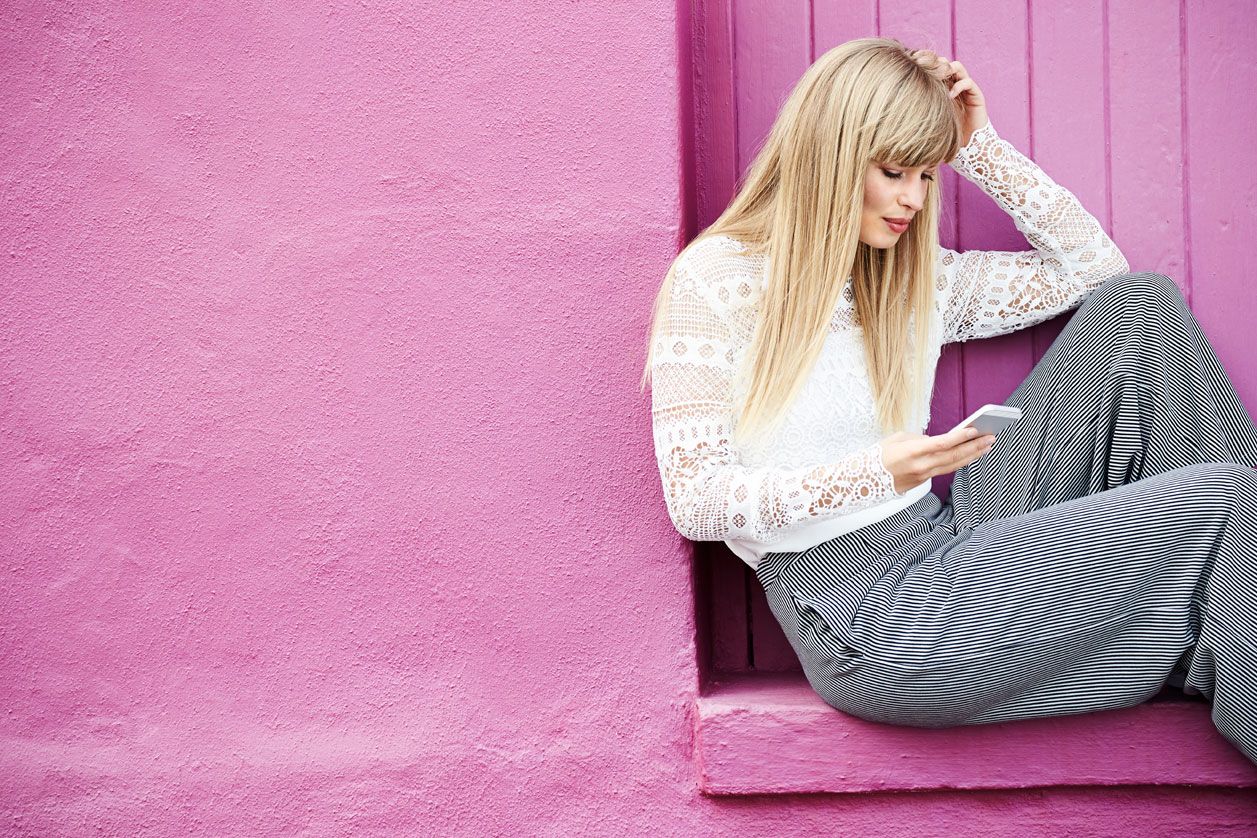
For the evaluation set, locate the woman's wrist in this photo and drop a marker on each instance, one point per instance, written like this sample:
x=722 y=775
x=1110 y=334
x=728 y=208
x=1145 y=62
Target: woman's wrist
x=967 y=138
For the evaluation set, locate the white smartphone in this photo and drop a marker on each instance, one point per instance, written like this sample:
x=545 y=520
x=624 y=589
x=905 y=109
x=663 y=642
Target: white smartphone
x=991 y=418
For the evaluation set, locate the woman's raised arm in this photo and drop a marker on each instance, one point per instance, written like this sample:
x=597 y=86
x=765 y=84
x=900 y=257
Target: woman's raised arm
x=992 y=292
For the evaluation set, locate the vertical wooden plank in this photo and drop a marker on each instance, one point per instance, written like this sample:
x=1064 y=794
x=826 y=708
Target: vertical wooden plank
x=992 y=42
x=715 y=119
x=700 y=582
x=919 y=24
x=1222 y=180
x=727 y=611
x=718 y=168
x=836 y=22
x=723 y=614
x=770 y=652
x=1068 y=117
x=1145 y=119
x=771 y=50
x=926 y=24
x=829 y=24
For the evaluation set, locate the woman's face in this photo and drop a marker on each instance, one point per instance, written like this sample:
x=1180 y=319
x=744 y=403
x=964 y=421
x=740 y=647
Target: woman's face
x=892 y=192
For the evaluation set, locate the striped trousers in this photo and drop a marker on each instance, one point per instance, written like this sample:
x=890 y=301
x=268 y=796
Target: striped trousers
x=1104 y=546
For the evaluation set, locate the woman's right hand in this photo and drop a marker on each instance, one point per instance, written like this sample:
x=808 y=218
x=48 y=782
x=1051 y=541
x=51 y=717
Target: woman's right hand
x=914 y=458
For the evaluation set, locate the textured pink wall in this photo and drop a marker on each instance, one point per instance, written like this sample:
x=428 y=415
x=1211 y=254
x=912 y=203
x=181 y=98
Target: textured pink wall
x=328 y=505
x=318 y=458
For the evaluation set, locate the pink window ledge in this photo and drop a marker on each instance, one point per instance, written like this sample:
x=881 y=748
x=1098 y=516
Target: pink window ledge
x=772 y=734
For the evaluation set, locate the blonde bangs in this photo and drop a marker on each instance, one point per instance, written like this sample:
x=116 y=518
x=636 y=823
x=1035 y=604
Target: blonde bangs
x=917 y=130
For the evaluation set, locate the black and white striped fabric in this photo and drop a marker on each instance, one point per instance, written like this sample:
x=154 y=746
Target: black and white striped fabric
x=1105 y=545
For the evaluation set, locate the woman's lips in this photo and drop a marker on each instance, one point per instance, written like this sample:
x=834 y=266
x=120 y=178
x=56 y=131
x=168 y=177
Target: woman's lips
x=897 y=226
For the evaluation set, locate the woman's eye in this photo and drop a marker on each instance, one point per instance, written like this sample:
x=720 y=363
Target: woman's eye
x=897 y=175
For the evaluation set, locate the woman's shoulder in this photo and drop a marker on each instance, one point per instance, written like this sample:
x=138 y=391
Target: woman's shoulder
x=724 y=267
x=715 y=247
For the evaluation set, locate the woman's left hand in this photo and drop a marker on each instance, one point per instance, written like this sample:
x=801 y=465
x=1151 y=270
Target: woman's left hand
x=962 y=88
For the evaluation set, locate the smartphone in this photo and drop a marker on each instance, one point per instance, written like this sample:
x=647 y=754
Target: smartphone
x=991 y=418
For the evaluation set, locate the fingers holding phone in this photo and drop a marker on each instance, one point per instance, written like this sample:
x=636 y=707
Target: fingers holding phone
x=991 y=418
x=914 y=458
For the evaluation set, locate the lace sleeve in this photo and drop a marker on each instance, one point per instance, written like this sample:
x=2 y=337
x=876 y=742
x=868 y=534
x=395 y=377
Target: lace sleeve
x=710 y=495
x=992 y=292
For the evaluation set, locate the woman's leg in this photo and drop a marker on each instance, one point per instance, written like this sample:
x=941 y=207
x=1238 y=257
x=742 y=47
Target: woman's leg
x=1107 y=536
x=1130 y=388
x=1081 y=606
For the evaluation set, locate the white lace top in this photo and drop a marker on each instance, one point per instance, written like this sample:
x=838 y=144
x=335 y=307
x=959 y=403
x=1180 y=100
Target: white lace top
x=821 y=474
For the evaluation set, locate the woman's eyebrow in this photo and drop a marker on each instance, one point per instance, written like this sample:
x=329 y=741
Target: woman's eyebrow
x=927 y=168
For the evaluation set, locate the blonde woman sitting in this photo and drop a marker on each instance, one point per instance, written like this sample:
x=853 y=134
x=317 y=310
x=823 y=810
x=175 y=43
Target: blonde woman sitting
x=1101 y=546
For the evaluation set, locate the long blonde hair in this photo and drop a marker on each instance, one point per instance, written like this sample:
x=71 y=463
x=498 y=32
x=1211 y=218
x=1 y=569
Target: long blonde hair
x=800 y=202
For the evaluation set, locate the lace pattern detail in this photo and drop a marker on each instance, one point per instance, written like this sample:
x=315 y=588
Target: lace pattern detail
x=993 y=292
x=711 y=493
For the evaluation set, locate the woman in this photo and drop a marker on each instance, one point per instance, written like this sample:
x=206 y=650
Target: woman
x=1101 y=546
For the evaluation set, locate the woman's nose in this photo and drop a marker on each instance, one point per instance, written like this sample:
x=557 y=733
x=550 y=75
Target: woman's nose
x=914 y=198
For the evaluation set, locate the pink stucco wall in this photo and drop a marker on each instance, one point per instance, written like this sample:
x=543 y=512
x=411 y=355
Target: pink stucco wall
x=327 y=503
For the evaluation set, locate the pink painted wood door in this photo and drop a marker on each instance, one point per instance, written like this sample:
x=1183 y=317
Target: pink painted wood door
x=1142 y=109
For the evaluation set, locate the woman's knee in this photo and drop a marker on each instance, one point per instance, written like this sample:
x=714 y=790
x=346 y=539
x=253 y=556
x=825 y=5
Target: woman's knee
x=1221 y=480
x=1148 y=290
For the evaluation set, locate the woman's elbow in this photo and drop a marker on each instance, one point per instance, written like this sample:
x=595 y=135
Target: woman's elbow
x=689 y=523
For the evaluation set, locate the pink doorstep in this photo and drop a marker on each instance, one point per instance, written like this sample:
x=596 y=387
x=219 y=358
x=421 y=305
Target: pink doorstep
x=772 y=734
